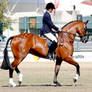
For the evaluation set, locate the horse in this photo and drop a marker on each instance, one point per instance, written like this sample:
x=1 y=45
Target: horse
x=25 y=43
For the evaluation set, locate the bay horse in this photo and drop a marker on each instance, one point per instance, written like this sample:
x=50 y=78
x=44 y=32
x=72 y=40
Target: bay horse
x=25 y=43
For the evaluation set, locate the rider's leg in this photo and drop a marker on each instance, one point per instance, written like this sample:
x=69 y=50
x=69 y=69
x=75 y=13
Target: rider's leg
x=51 y=36
x=52 y=49
x=53 y=45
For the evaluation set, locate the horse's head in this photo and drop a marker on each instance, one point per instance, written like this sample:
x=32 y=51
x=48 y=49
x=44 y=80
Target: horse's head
x=83 y=31
x=70 y=29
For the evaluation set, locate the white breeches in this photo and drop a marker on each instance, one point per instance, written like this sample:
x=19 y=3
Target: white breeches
x=51 y=36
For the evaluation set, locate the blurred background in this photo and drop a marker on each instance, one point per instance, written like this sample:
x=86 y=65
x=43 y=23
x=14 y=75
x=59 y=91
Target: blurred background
x=25 y=16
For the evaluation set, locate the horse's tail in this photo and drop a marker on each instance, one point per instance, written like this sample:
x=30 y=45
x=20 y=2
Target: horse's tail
x=6 y=63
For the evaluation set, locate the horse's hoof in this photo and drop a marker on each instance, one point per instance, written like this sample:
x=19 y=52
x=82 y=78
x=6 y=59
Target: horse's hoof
x=12 y=85
x=19 y=83
x=57 y=83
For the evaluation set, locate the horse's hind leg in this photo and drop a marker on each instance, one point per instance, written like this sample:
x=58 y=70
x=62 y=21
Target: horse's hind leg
x=19 y=75
x=14 y=65
x=11 y=78
x=57 y=68
x=71 y=61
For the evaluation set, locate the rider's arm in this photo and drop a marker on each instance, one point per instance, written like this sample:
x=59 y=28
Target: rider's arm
x=48 y=20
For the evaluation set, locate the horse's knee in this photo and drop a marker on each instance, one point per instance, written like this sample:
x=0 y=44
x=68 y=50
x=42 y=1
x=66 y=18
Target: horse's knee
x=58 y=61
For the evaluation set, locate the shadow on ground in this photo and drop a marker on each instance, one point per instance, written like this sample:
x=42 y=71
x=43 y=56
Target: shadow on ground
x=41 y=85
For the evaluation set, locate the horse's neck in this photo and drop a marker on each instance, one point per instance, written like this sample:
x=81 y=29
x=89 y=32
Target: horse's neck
x=71 y=29
x=70 y=34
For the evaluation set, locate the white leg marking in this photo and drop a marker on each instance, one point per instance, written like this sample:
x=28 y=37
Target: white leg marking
x=20 y=77
x=11 y=82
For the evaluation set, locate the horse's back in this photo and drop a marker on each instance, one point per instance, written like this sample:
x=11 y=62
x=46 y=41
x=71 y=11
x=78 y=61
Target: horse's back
x=29 y=42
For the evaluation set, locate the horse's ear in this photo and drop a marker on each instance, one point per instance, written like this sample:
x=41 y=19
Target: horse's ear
x=86 y=22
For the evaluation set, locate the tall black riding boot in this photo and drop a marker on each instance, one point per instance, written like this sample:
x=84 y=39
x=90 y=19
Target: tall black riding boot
x=52 y=48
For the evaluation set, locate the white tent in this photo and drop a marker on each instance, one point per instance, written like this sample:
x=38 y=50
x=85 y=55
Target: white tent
x=85 y=10
x=67 y=5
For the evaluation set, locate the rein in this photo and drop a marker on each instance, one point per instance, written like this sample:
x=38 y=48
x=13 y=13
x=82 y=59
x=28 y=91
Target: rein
x=66 y=33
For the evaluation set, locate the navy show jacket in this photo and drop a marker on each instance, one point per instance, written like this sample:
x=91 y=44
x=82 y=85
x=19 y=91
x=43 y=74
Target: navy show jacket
x=47 y=24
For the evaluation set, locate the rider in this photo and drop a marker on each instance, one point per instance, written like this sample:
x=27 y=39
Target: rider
x=47 y=28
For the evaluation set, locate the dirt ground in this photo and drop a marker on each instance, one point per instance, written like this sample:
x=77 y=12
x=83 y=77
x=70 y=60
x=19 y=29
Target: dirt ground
x=38 y=77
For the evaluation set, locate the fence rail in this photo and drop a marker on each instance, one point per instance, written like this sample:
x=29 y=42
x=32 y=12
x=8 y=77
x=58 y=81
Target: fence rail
x=83 y=47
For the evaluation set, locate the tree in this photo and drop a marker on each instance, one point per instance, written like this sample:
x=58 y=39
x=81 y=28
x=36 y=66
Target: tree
x=4 y=21
x=3 y=6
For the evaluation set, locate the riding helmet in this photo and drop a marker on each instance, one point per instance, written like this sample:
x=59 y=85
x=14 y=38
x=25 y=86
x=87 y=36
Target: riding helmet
x=50 y=6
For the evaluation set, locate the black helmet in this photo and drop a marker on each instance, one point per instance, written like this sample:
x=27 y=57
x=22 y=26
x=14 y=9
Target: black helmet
x=50 y=6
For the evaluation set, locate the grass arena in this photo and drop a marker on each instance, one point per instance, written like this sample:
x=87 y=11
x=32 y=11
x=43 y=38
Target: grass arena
x=38 y=77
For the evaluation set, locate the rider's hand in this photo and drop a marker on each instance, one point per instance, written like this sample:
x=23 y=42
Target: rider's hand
x=59 y=29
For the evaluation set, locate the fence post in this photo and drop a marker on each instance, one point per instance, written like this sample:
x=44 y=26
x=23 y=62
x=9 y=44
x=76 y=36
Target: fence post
x=25 y=25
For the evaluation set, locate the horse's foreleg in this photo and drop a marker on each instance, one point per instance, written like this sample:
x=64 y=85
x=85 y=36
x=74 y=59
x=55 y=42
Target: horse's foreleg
x=77 y=73
x=56 y=71
x=71 y=61
x=11 y=78
x=77 y=69
x=19 y=75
